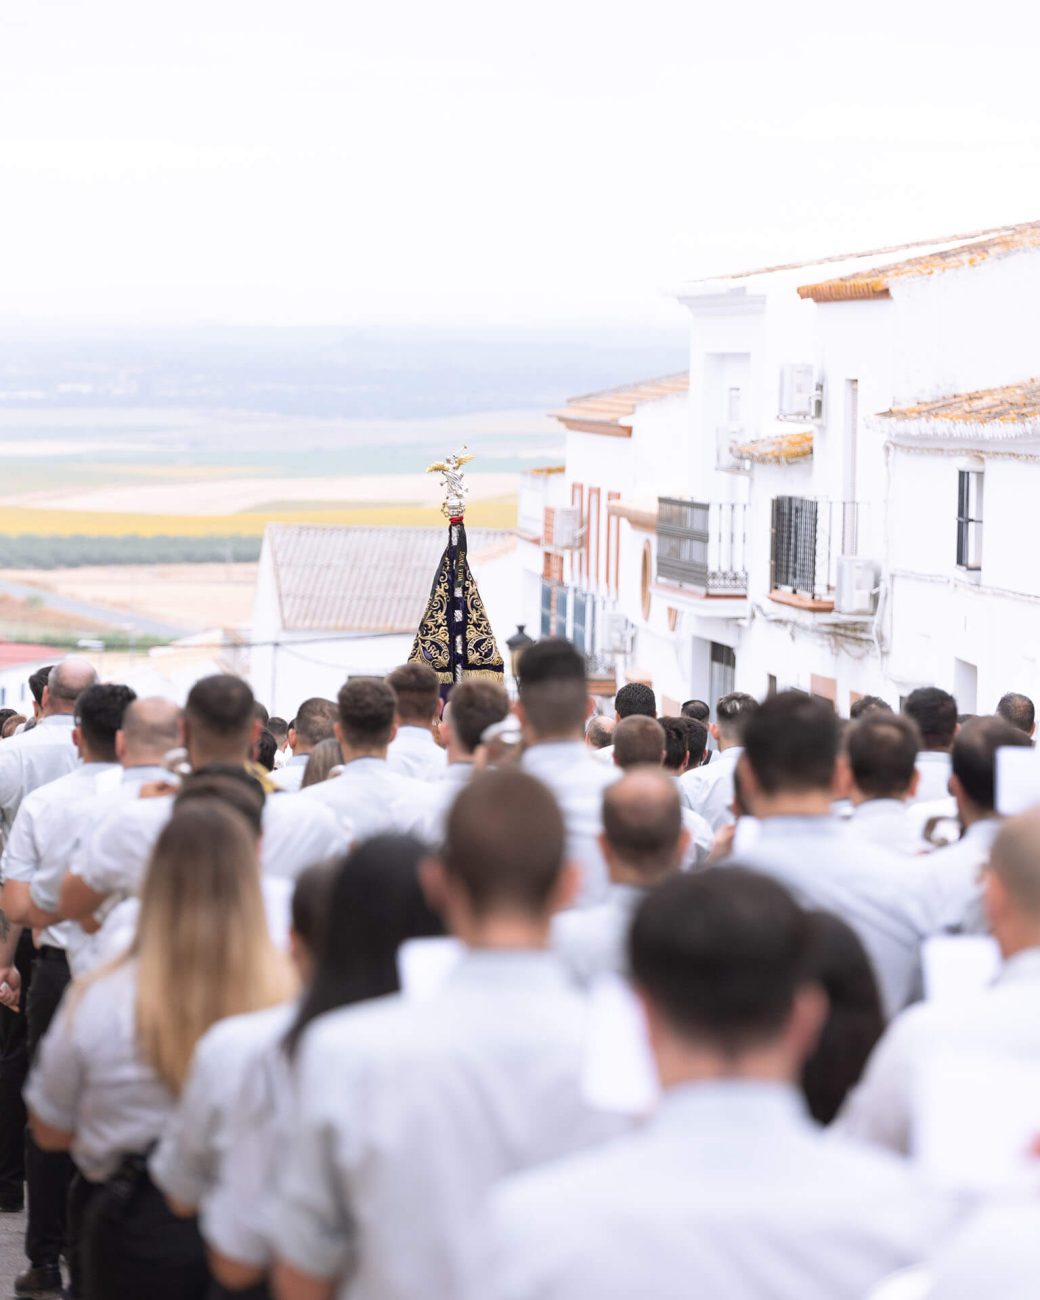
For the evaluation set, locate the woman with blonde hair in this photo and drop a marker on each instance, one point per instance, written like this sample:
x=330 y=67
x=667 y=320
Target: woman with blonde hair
x=114 y=1062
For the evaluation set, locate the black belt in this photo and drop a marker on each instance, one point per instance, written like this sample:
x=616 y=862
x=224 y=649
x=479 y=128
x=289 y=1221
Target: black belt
x=47 y=952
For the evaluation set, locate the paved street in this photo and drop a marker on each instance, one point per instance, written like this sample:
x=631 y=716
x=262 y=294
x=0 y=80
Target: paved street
x=12 y=1260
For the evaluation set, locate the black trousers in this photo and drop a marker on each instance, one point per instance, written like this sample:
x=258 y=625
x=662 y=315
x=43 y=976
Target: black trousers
x=129 y=1244
x=47 y=1173
x=258 y=1292
x=14 y=1066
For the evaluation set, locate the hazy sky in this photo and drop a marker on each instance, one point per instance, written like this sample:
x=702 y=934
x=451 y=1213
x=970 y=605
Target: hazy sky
x=467 y=161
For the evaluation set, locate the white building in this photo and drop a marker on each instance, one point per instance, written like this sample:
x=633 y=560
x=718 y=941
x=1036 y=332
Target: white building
x=335 y=602
x=807 y=510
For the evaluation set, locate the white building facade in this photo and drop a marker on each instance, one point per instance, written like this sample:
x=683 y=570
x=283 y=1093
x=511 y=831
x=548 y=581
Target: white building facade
x=838 y=498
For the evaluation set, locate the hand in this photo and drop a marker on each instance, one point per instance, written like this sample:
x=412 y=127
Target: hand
x=723 y=845
x=10 y=988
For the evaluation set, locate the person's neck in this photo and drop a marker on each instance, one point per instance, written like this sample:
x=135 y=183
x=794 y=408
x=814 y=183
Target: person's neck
x=502 y=932
x=679 y=1064
x=352 y=755
x=200 y=758
x=936 y=749
x=724 y=743
x=532 y=738
x=456 y=754
x=1015 y=935
x=415 y=726
x=857 y=798
x=52 y=712
x=620 y=874
x=971 y=814
x=143 y=760
x=87 y=755
x=803 y=803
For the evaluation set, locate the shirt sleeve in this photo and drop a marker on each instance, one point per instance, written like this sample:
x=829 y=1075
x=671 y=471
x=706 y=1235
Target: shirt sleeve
x=21 y=853
x=314 y=1229
x=59 y=1075
x=10 y=780
x=185 y=1162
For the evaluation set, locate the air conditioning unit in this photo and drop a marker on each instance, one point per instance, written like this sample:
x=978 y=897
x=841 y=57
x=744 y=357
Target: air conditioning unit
x=618 y=635
x=797 y=393
x=725 y=457
x=856 y=589
x=563 y=529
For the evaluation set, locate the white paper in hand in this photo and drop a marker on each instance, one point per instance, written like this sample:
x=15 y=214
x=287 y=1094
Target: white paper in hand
x=424 y=965
x=618 y=1073
x=956 y=966
x=1018 y=780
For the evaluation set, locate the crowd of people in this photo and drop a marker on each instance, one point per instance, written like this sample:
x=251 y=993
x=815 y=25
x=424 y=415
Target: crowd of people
x=316 y=1008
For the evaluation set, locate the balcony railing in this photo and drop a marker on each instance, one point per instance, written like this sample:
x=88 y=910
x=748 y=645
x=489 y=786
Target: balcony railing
x=809 y=537
x=703 y=545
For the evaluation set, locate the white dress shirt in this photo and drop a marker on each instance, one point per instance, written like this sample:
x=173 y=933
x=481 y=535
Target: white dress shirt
x=577 y=781
x=871 y=889
x=429 y=820
x=934 y=768
x=950 y=881
x=710 y=789
x=290 y=775
x=414 y=752
x=89 y=1079
x=1001 y=1023
x=729 y=1193
x=34 y=758
x=592 y=941
x=196 y=1142
x=369 y=798
x=888 y=823
x=47 y=827
x=996 y=1255
x=384 y=1173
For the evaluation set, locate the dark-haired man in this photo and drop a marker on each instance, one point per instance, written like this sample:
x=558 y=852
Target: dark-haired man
x=709 y=790
x=776 y=1209
x=935 y=713
x=644 y=842
x=552 y=709
x=952 y=876
x=788 y=780
x=881 y=750
x=413 y=750
x=315 y=721
x=867 y=704
x=368 y=796
x=643 y=742
x=384 y=1175
x=1019 y=710
x=41 y=838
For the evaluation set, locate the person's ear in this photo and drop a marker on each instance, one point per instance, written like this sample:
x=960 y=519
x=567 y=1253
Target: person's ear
x=567 y=888
x=393 y=732
x=337 y=731
x=808 y=1016
x=76 y=736
x=713 y=728
x=433 y=880
x=45 y=698
x=915 y=781
x=750 y=790
x=995 y=899
x=682 y=846
x=842 y=782
x=955 y=788
x=292 y=739
x=254 y=735
x=120 y=745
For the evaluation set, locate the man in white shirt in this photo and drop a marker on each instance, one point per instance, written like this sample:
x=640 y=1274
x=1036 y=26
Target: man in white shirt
x=788 y=780
x=710 y=789
x=45 y=753
x=633 y=700
x=951 y=878
x=644 y=842
x=730 y=1191
x=552 y=707
x=475 y=704
x=999 y=1024
x=881 y=751
x=41 y=838
x=413 y=750
x=1020 y=711
x=368 y=797
x=642 y=741
x=935 y=713
x=599 y=732
x=314 y=722
x=219 y=727
x=384 y=1173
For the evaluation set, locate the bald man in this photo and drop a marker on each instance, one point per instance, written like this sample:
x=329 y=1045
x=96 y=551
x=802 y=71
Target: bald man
x=644 y=842
x=999 y=1024
x=640 y=741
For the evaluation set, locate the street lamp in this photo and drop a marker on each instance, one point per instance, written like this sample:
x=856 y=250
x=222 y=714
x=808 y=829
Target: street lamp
x=516 y=645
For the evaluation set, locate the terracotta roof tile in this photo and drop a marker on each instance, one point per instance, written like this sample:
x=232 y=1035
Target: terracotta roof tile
x=363 y=579
x=610 y=412
x=987 y=408
x=784 y=447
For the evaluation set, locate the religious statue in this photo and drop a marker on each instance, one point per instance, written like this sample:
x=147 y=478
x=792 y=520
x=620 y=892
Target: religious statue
x=455 y=490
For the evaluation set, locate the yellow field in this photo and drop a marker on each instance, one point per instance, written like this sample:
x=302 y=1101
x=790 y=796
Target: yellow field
x=499 y=512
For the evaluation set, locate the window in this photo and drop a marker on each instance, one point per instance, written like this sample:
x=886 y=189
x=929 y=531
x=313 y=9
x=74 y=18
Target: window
x=794 y=544
x=721 y=673
x=733 y=408
x=969 y=519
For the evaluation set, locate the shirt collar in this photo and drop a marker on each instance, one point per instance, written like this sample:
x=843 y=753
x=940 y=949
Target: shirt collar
x=550 y=749
x=878 y=808
x=522 y=968
x=737 y=1103
x=798 y=825
x=147 y=772
x=934 y=756
x=58 y=720
x=1023 y=965
x=298 y=760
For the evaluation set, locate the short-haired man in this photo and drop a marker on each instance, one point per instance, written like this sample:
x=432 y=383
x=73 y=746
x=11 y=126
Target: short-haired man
x=219 y=726
x=952 y=890
x=698 y=710
x=41 y=839
x=368 y=796
x=635 y=699
x=314 y=722
x=1019 y=711
x=552 y=707
x=644 y=842
x=867 y=704
x=935 y=713
x=775 y=1208
x=599 y=734
x=881 y=751
x=709 y=790
x=999 y=1024
x=474 y=705
x=643 y=742
x=413 y=750
x=47 y=752
x=788 y=780
x=435 y=1101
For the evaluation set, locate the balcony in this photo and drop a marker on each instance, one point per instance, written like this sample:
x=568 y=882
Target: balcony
x=702 y=545
x=809 y=538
